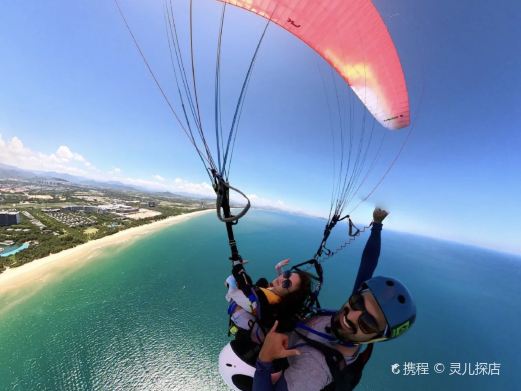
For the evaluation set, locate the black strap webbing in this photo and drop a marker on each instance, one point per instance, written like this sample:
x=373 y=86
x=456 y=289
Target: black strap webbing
x=345 y=377
x=222 y=191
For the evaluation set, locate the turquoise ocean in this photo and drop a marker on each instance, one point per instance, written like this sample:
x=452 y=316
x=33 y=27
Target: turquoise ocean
x=152 y=315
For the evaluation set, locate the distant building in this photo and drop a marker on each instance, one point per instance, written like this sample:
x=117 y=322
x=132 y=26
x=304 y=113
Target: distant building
x=9 y=217
x=150 y=204
x=127 y=209
x=81 y=208
x=116 y=208
x=74 y=208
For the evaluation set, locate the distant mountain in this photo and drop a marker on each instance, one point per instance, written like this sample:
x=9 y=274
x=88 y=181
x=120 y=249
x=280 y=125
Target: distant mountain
x=11 y=172
x=183 y=196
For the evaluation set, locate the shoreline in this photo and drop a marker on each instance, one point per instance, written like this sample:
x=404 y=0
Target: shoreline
x=41 y=270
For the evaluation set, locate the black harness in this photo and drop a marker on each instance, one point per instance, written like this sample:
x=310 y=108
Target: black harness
x=345 y=377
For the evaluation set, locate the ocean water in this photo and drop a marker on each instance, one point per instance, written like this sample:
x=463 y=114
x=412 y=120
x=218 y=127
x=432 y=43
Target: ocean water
x=151 y=316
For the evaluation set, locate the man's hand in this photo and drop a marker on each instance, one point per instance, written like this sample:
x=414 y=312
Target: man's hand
x=379 y=215
x=276 y=346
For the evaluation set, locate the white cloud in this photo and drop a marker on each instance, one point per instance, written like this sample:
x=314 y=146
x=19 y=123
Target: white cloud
x=16 y=145
x=263 y=202
x=15 y=153
x=202 y=188
x=268 y=203
x=64 y=160
x=64 y=153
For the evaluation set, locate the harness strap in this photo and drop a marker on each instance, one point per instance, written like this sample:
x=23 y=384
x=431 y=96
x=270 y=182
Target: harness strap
x=222 y=190
x=330 y=354
x=345 y=377
x=231 y=308
x=325 y=336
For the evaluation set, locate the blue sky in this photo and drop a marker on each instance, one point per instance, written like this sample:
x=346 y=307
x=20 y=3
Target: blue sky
x=76 y=97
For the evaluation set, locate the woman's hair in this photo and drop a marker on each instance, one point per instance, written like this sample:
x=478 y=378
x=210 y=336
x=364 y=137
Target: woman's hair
x=292 y=304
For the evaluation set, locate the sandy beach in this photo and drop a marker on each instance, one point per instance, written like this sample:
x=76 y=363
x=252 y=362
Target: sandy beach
x=39 y=271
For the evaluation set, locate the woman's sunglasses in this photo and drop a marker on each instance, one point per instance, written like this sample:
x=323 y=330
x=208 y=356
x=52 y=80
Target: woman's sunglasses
x=286 y=282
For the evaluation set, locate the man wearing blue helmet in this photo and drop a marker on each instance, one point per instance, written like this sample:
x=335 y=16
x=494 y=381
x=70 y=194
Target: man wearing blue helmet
x=326 y=352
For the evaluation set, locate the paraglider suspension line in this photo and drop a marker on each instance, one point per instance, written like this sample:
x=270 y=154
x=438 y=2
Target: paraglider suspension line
x=222 y=190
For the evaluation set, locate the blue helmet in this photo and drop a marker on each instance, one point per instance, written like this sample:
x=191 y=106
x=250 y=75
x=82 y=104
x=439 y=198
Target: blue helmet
x=396 y=303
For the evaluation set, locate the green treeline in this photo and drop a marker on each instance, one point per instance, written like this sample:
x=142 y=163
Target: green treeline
x=56 y=236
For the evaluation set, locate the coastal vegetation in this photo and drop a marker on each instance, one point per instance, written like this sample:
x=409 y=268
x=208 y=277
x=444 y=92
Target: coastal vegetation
x=55 y=216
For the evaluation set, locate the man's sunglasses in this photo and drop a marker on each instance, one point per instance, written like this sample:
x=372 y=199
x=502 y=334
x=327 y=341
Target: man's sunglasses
x=366 y=322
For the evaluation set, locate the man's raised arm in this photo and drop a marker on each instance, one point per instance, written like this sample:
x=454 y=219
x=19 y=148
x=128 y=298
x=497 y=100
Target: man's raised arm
x=372 y=249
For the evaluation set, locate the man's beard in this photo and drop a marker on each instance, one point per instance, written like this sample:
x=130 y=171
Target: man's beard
x=336 y=326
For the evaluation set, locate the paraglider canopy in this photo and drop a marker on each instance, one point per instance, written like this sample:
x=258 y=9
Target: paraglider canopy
x=351 y=36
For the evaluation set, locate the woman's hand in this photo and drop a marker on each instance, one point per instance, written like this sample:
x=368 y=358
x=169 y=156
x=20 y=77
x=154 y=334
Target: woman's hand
x=281 y=264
